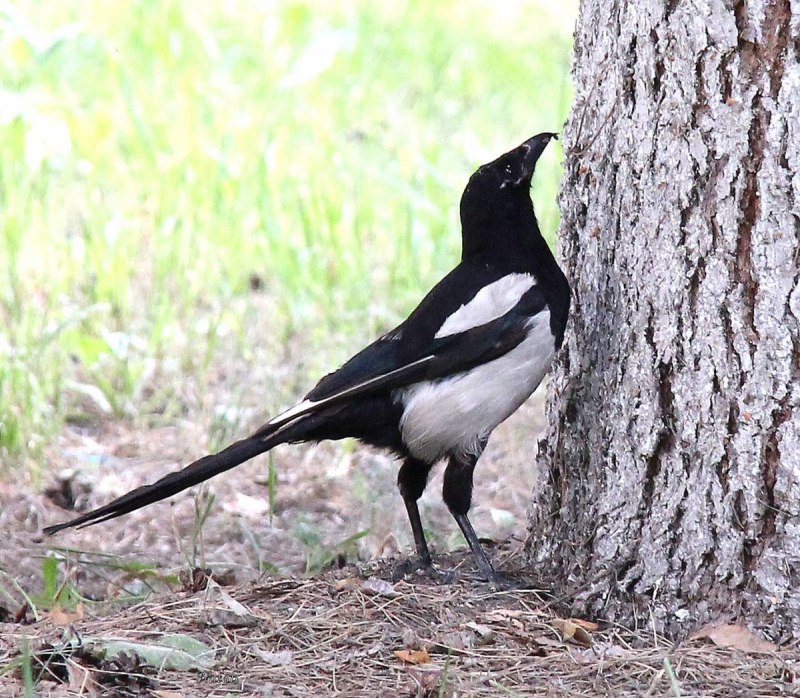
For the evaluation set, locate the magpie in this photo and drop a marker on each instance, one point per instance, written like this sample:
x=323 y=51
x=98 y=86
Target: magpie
x=433 y=388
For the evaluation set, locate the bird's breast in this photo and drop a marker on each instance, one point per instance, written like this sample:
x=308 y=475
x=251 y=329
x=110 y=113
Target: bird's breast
x=455 y=414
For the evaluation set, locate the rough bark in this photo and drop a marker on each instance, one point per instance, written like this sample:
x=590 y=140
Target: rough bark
x=671 y=471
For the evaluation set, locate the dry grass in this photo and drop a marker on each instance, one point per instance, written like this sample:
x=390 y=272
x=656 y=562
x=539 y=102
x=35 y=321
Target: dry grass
x=336 y=633
x=323 y=495
x=340 y=634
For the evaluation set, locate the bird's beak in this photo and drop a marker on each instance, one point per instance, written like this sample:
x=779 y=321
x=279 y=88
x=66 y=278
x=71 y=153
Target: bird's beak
x=535 y=147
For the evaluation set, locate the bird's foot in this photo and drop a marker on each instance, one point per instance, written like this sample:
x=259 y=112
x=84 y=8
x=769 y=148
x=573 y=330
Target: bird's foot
x=500 y=582
x=418 y=566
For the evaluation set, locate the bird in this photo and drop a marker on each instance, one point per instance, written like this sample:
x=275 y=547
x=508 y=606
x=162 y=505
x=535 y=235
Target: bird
x=434 y=388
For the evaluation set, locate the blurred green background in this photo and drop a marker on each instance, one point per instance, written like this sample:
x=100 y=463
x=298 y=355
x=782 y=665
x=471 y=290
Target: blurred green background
x=189 y=189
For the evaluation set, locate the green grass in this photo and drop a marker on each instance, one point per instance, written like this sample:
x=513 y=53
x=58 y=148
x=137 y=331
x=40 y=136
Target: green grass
x=156 y=157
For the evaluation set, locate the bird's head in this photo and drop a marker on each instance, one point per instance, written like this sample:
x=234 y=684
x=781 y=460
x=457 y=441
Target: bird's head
x=511 y=171
x=498 y=193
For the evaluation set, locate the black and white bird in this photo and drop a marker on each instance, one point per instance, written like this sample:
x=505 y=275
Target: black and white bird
x=435 y=387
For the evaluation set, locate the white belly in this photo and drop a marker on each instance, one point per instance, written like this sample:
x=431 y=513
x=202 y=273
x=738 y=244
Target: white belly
x=453 y=415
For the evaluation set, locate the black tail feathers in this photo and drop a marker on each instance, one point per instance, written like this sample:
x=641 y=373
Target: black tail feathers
x=175 y=482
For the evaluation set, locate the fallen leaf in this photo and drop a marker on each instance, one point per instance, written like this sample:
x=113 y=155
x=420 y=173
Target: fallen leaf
x=347 y=583
x=537 y=645
x=500 y=615
x=484 y=635
x=228 y=619
x=426 y=681
x=453 y=642
x=572 y=631
x=735 y=636
x=589 y=625
x=281 y=658
x=413 y=656
x=179 y=652
x=379 y=587
x=215 y=593
x=226 y=611
x=58 y=616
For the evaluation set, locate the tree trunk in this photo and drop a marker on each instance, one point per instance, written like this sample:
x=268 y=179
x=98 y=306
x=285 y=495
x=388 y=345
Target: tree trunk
x=670 y=476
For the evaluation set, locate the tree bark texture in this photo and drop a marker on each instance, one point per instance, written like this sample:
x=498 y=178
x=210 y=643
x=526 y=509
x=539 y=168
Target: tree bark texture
x=670 y=476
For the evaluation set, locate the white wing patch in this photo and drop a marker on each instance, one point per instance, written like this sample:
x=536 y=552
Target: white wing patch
x=490 y=303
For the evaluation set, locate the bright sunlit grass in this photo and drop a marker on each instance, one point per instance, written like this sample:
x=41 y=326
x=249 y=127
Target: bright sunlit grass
x=158 y=159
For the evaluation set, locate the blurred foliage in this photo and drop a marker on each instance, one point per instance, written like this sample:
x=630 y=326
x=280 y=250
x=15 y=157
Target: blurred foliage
x=160 y=160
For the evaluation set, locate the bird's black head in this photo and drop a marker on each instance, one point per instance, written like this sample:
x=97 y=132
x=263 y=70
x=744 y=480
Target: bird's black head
x=496 y=202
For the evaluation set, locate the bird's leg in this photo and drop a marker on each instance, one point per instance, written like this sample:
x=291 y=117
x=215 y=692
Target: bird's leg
x=457 y=494
x=485 y=567
x=411 y=480
x=419 y=536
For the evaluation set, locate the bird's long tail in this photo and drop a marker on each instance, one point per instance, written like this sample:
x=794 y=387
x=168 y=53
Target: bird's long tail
x=193 y=474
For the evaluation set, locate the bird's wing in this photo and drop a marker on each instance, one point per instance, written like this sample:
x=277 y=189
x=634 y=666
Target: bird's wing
x=387 y=364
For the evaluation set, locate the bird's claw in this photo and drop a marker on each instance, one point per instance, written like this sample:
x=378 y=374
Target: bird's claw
x=426 y=568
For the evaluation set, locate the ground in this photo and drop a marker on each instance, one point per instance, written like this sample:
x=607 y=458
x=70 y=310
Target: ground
x=353 y=632
x=325 y=502
x=356 y=626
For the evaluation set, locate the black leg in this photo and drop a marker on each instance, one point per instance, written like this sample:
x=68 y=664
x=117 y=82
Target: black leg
x=419 y=536
x=411 y=480
x=457 y=494
x=485 y=567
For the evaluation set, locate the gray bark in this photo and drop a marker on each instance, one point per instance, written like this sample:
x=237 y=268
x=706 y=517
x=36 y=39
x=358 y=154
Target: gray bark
x=671 y=470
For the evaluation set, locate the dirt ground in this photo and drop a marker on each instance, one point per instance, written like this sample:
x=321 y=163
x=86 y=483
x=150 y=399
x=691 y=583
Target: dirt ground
x=323 y=497
x=263 y=626
x=353 y=632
